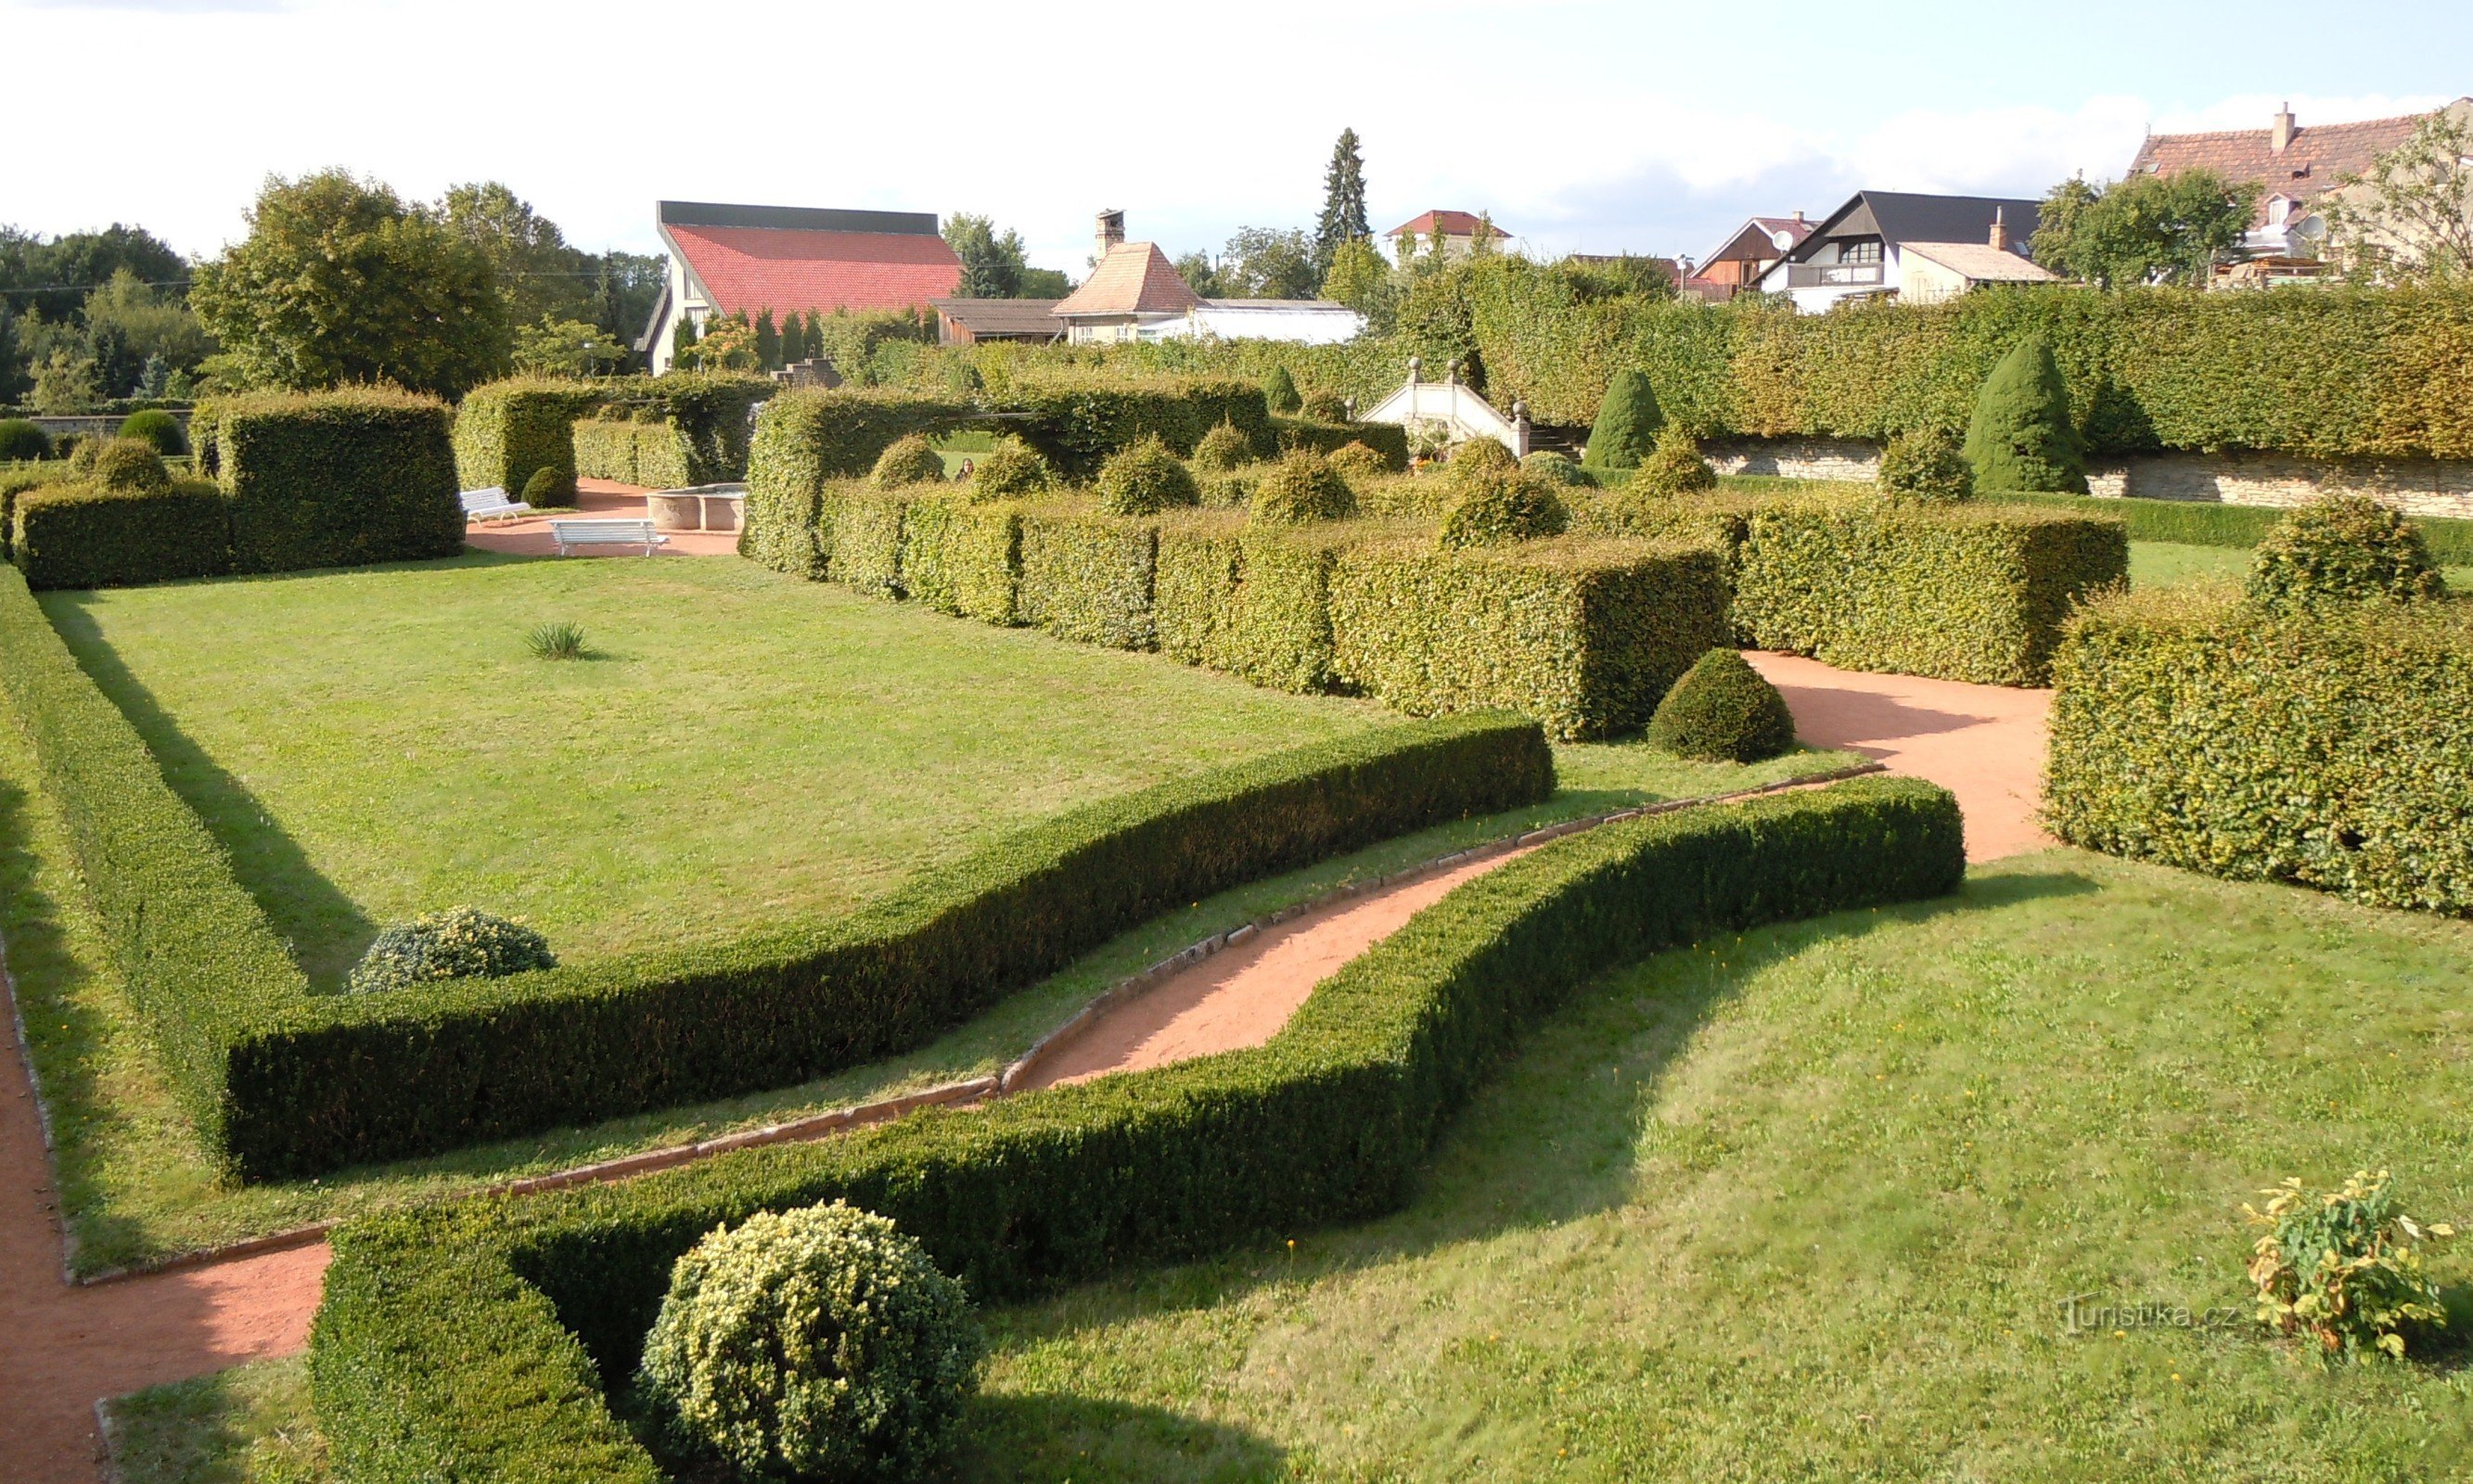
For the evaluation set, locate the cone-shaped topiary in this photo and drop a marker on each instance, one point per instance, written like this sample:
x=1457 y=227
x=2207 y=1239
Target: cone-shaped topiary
x=1722 y=711
x=907 y=460
x=1479 y=456
x=159 y=428
x=814 y=1344
x=130 y=463
x=1497 y=506
x=1924 y=466
x=1556 y=469
x=2020 y=437
x=1627 y=425
x=1302 y=488
x=1355 y=461
x=549 y=486
x=22 y=438
x=2344 y=548
x=1280 y=390
x=1674 y=466
x=1145 y=479
x=1014 y=470
x=1221 y=449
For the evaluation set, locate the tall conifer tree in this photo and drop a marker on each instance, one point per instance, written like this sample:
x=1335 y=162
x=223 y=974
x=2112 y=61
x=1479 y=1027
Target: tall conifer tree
x=1343 y=200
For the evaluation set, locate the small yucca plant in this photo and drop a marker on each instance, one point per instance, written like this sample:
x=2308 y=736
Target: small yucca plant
x=556 y=641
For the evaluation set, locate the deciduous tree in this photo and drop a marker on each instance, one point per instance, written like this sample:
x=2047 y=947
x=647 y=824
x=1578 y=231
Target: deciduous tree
x=2145 y=229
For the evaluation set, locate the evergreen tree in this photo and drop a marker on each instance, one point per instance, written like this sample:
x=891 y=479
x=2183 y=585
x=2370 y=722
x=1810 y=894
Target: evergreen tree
x=2020 y=437
x=768 y=342
x=1627 y=423
x=682 y=338
x=1280 y=390
x=1343 y=200
x=794 y=338
x=815 y=341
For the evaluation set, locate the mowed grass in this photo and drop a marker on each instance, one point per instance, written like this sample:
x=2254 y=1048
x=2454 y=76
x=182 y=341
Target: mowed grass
x=1808 y=1204
x=738 y=747
x=2171 y=563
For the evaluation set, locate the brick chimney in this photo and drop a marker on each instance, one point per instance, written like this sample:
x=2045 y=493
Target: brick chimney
x=2279 y=133
x=2000 y=233
x=1112 y=231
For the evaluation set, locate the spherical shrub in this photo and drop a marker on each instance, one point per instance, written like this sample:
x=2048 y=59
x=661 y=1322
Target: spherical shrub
x=2344 y=548
x=1221 y=449
x=1496 y=507
x=1479 y=455
x=1722 y=711
x=157 y=428
x=1674 y=466
x=1556 y=469
x=79 y=450
x=815 y=1344
x=907 y=460
x=549 y=486
x=1301 y=487
x=459 y=943
x=1012 y=470
x=1355 y=461
x=1145 y=479
x=1327 y=407
x=130 y=463
x=1925 y=466
x=1280 y=390
x=20 y=438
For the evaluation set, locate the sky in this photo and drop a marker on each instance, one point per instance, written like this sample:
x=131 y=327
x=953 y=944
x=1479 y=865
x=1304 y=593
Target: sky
x=1596 y=128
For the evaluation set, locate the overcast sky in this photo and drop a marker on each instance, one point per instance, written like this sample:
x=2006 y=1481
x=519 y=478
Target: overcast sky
x=1582 y=127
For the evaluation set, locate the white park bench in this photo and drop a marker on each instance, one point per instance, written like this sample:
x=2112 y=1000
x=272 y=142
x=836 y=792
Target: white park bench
x=482 y=504
x=570 y=533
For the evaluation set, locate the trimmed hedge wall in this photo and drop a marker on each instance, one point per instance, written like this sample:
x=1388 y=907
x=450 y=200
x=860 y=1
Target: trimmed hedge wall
x=1088 y=577
x=2209 y=523
x=470 y=1341
x=1969 y=592
x=2332 y=749
x=15 y=480
x=1387 y=438
x=507 y=429
x=963 y=558
x=1078 y=420
x=80 y=535
x=806 y=439
x=650 y=454
x=334 y=478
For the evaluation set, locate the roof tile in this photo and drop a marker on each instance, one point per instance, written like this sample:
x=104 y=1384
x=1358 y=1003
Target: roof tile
x=753 y=269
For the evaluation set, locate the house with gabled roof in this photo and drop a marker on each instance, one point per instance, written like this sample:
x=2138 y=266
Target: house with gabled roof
x=1738 y=262
x=1459 y=229
x=1134 y=293
x=730 y=259
x=2293 y=166
x=1862 y=248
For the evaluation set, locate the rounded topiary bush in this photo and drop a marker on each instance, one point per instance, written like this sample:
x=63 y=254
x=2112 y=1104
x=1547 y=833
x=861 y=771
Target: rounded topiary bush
x=159 y=428
x=2020 y=436
x=1674 y=467
x=1627 y=425
x=1355 y=461
x=80 y=450
x=130 y=463
x=20 y=438
x=1479 y=456
x=1012 y=471
x=816 y=1344
x=1145 y=479
x=547 y=487
x=1280 y=390
x=2344 y=548
x=459 y=943
x=1556 y=469
x=1497 y=508
x=907 y=460
x=1221 y=449
x=1722 y=711
x=1301 y=487
x=1925 y=466
x=1327 y=407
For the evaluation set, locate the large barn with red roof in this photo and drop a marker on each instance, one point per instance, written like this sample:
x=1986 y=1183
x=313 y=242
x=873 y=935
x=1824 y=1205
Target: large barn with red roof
x=732 y=259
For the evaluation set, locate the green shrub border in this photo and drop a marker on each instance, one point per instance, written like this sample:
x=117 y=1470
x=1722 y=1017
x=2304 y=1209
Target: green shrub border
x=507 y=429
x=470 y=1340
x=79 y=536
x=2213 y=523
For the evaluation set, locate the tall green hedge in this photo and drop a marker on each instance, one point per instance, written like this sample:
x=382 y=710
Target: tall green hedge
x=809 y=438
x=963 y=558
x=1078 y=421
x=335 y=478
x=1088 y=577
x=81 y=536
x=470 y=1340
x=651 y=454
x=507 y=429
x=1967 y=593
x=2332 y=749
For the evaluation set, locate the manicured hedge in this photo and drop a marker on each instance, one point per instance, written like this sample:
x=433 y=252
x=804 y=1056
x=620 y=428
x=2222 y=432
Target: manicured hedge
x=80 y=536
x=1387 y=438
x=2210 y=523
x=1078 y=421
x=963 y=558
x=475 y=1341
x=334 y=478
x=507 y=429
x=1970 y=592
x=2332 y=749
x=709 y=410
x=650 y=454
x=15 y=480
x=1088 y=577
x=1584 y=634
x=808 y=439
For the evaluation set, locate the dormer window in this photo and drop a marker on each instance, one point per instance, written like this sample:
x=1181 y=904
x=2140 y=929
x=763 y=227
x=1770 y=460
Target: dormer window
x=2279 y=209
x=1866 y=250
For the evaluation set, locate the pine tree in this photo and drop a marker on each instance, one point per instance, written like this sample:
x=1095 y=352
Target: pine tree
x=2020 y=437
x=1343 y=200
x=682 y=338
x=794 y=338
x=768 y=342
x=1280 y=390
x=815 y=345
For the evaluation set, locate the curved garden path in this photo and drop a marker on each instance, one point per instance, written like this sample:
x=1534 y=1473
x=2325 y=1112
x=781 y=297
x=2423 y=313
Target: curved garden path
x=64 y=1347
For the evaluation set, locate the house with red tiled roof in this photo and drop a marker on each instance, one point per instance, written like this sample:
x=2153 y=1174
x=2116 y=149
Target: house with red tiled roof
x=1743 y=257
x=1460 y=231
x=735 y=259
x=2293 y=166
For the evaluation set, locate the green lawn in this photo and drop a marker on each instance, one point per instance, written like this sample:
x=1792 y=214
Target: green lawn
x=1805 y=1203
x=2171 y=563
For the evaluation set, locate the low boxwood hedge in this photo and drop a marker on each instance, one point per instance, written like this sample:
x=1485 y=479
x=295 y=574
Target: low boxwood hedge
x=1390 y=440
x=2212 y=523
x=2331 y=748
x=470 y=1340
x=83 y=535
x=334 y=478
x=508 y=429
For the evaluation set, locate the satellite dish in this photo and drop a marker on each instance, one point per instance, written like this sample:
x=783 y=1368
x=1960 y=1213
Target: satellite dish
x=1782 y=240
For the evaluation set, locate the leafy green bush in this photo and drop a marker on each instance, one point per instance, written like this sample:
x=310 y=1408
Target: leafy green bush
x=128 y=465
x=1221 y=449
x=466 y=1340
x=2320 y=747
x=160 y=430
x=546 y=488
x=85 y=536
x=459 y=943
x=2343 y=1268
x=2021 y=436
x=961 y=558
x=818 y=1343
x=558 y=640
x=1389 y=440
x=1015 y=470
x=1086 y=576
x=907 y=460
x=1481 y=456
x=1722 y=710
x=1925 y=466
x=1355 y=461
x=1280 y=392
x=336 y=478
x=1301 y=487
x=22 y=438
x=1674 y=466
x=1495 y=507
x=1628 y=418
x=508 y=431
x=1076 y=419
x=1555 y=468
x=1145 y=479
x=2344 y=548
x=1324 y=407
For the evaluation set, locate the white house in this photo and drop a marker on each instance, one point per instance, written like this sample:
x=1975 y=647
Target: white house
x=1134 y=292
x=1869 y=246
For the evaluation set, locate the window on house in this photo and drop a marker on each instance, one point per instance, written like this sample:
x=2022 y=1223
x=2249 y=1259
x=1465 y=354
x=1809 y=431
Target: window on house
x=1865 y=250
